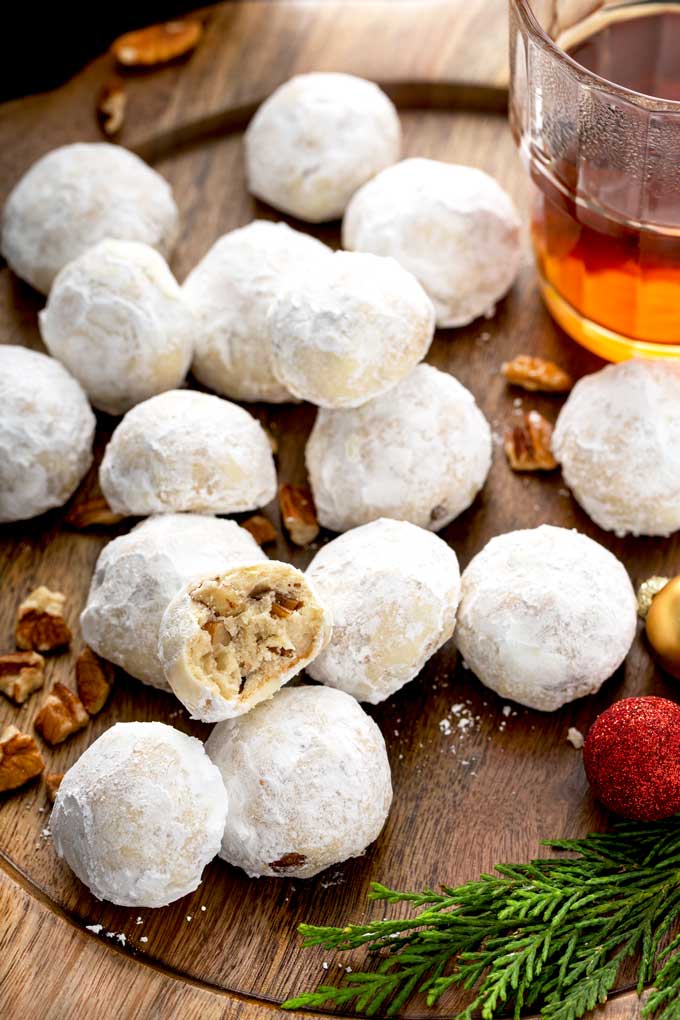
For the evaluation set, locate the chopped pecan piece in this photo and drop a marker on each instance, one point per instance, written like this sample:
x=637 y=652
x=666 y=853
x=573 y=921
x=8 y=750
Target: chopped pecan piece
x=40 y=621
x=527 y=446
x=283 y=606
x=280 y=611
x=62 y=714
x=287 y=862
x=157 y=44
x=53 y=782
x=111 y=106
x=20 y=759
x=534 y=373
x=260 y=528
x=94 y=680
x=91 y=513
x=298 y=514
x=21 y=673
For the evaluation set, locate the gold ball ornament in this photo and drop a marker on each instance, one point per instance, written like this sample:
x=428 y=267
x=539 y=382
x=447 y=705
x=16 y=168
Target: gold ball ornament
x=663 y=627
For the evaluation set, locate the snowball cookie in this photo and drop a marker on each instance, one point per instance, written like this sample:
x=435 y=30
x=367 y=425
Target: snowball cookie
x=546 y=616
x=76 y=196
x=349 y=329
x=308 y=781
x=228 y=642
x=420 y=453
x=138 y=574
x=452 y=226
x=230 y=292
x=393 y=590
x=316 y=140
x=46 y=432
x=618 y=441
x=140 y=814
x=184 y=450
x=117 y=319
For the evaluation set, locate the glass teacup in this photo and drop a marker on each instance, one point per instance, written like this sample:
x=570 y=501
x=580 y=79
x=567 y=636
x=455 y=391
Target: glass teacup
x=604 y=162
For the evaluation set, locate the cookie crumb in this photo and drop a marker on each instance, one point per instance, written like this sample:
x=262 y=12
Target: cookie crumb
x=575 y=737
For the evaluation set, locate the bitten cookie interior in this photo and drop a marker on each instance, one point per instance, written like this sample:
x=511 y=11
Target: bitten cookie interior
x=231 y=641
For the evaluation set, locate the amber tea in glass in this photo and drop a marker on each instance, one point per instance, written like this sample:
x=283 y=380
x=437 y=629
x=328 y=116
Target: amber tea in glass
x=596 y=110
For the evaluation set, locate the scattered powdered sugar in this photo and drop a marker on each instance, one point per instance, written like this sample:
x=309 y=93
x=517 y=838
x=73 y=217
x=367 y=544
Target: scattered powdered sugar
x=119 y=936
x=464 y=716
x=460 y=721
x=335 y=878
x=508 y=712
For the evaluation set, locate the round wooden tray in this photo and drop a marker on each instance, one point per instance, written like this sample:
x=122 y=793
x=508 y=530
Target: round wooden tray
x=466 y=796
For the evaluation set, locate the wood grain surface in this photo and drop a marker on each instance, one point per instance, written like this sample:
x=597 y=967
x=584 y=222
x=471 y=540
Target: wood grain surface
x=463 y=800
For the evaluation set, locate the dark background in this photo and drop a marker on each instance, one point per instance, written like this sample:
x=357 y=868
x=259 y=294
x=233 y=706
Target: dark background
x=45 y=44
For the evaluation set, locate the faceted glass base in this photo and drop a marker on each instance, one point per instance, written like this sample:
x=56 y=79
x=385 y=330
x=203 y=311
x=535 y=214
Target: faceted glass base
x=609 y=345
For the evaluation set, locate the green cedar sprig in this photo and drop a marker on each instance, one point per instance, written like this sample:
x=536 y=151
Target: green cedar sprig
x=552 y=934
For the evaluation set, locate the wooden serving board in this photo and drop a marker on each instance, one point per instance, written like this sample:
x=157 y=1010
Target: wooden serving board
x=463 y=800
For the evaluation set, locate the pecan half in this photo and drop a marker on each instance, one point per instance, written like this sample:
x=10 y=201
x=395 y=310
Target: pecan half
x=111 y=106
x=20 y=759
x=40 y=621
x=53 y=782
x=94 y=680
x=157 y=44
x=527 y=446
x=534 y=373
x=260 y=528
x=21 y=673
x=91 y=513
x=62 y=714
x=298 y=513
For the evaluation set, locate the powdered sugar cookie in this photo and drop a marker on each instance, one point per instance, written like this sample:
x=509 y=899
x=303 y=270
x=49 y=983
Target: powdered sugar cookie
x=317 y=139
x=618 y=441
x=140 y=814
x=393 y=590
x=308 y=781
x=230 y=292
x=420 y=453
x=46 y=432
x=227 y=643
x=187 y=451
x=78 y=195
x=116 y=318
x=349 y=329
x=452 y=226
x=546 y=615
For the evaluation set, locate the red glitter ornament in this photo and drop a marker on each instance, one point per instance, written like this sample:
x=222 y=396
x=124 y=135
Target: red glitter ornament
x=632 y=758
